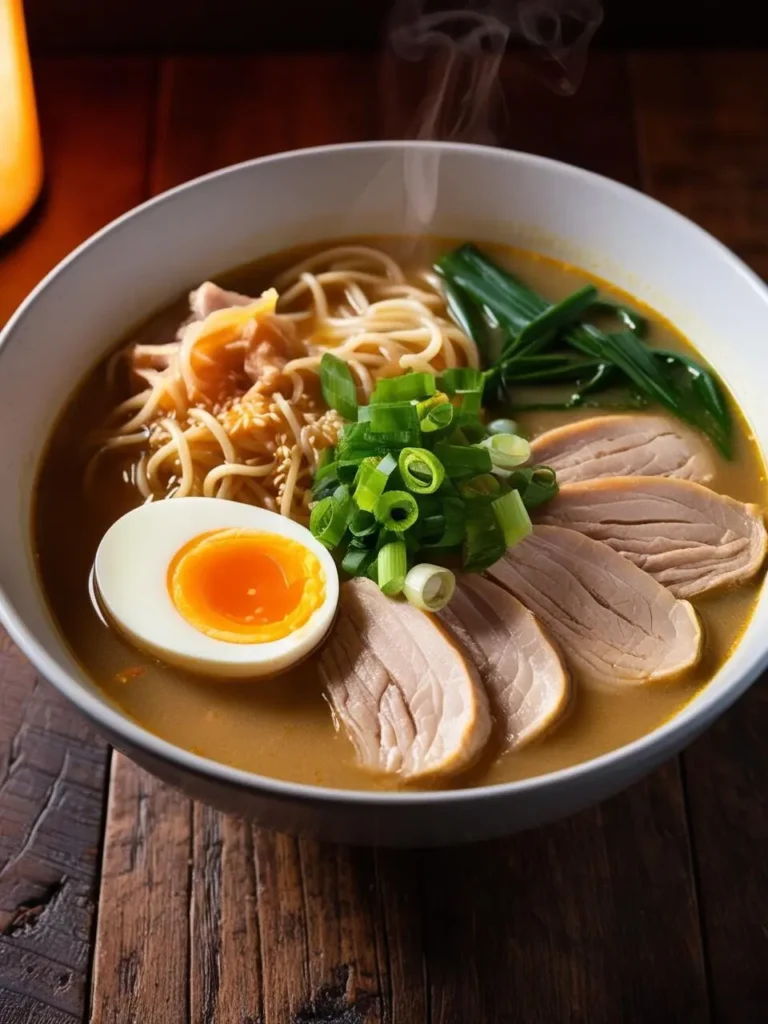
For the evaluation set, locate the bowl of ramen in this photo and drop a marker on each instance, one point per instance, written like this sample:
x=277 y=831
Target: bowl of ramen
x=387 y=526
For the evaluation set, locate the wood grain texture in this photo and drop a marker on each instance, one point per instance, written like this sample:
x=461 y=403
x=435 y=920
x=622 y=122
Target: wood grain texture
x=142 y=972
x=590 y=920
x=703 y=126
x=565 y=924
x=52 y=764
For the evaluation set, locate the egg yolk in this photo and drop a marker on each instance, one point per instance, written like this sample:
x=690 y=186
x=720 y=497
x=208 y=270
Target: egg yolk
x=244 y=586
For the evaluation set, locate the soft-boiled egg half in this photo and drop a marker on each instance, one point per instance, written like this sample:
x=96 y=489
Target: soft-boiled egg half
x=217 y=587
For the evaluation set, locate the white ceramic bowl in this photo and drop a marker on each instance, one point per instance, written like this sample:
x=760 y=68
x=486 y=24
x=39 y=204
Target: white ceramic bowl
x=151 y=255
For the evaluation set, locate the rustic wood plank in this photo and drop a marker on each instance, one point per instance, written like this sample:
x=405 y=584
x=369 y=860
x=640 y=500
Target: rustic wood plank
x=339 y=887
x=703 y=125
x=52 y=763
x=564 y=924
x=576 y=918
x=141 y=974
x=400 y=937
x=226 y=943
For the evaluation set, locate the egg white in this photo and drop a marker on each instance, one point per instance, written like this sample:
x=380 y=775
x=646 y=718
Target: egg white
x=131 y=576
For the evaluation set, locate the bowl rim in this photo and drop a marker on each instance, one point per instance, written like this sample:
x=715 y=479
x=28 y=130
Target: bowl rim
x=650 y=748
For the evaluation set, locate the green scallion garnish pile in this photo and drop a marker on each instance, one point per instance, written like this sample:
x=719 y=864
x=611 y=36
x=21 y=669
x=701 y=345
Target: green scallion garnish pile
x=417 y=476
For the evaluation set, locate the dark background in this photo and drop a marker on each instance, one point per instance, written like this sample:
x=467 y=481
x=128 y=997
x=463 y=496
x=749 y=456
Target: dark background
x=85 y=26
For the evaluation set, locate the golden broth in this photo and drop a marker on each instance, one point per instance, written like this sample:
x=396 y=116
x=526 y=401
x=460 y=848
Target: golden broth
x=283 y=727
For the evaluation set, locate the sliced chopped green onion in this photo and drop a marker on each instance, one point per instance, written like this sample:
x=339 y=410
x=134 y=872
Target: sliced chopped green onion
x=363 y=524
x=352 y=434
x=328 y=472
x=343 y=495
x=434 y=414
x=404 y=389
x=371 y=481
x=325 y=488
x=542 y=487
x=473 y=430
x=328 y=521
x=421 y=470
x=454 y=523
x=484 y=542
x=502 y=427
x=512 y=516
x=431 y=528
x=507 y=450
x=396 y=510
x=429 y=587
x=338 y=386
x=372 y=572
x=463 y=460
x=468 y=408
x=536 y=485
x=412 y=542
x=326 y=458
x=462 y=380
x=393 y=417
x=484 y=487
x=347 y=469
x=357 y=560
x=391 y=567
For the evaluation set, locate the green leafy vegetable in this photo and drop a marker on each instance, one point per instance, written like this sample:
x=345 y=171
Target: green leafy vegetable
x=468 y=317
x=550 y=322
x=606 y=359
x=328 y=521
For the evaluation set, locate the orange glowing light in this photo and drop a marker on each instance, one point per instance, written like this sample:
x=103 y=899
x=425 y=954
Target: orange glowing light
x=21 y=162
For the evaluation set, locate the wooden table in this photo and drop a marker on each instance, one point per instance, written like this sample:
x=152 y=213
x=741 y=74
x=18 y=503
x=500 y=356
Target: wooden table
x=120 y=900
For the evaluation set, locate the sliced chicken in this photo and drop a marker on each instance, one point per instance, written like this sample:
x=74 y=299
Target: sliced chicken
x=687 y=537
x=209 y=297
x=636 y=445
x=523 y=673
x=615 y=625
x=409 y=699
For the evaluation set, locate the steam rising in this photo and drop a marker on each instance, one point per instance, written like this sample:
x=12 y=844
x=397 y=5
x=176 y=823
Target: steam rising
x=462 y=46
